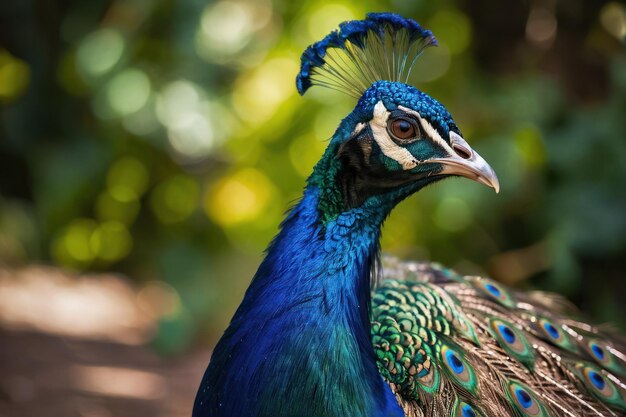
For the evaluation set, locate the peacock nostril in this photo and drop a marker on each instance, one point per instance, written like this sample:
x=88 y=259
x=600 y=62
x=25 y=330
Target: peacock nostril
x=462 y=151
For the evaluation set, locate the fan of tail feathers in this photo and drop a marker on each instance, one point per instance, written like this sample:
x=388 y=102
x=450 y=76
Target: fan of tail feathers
x=450 y=345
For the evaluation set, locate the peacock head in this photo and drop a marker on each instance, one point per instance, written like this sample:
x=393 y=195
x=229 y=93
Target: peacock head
x=397 y=139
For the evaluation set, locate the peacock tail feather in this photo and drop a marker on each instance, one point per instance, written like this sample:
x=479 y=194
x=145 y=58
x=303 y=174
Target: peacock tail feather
x=450 y=345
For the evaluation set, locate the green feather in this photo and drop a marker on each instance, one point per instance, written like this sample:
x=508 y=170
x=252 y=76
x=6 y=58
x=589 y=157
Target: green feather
x=464 y=409
x=513 y=341
x=552 y=331
x=458 y=368
x=446 y=344
x=493 y=291
x=600 y=385
x=604 y=355
x=524 y=400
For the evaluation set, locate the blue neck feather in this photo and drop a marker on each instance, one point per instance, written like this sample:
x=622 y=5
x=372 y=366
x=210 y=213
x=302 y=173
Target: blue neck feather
x=299 y=345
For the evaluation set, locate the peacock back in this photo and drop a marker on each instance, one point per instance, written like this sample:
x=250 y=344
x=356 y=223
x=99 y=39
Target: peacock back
x=452 y=345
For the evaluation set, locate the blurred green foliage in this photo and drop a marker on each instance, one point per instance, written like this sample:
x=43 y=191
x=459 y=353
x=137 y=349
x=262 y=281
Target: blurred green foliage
x=165 y=139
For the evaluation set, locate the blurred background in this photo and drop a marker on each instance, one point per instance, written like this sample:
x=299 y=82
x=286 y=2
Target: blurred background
x=149 y=148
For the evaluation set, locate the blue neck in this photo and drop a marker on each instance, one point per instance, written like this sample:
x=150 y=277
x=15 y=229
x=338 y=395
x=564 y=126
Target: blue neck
x=299 y=344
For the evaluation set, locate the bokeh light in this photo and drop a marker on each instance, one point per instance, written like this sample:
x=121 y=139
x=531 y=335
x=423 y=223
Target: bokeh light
x=191 y=120
x=304 y=152
x=128 y=172
x=452 y=214
x=322 y=21
x=613 y=18
x=257 y=96
x=14 y=76
x=73 y=247
x=99 y=52
x=118 y=203
x=158 y=299
x=111 y=241
x=542 y=26
x=435 y=64
x=227 y=27
x=453 y=29
x=175 y=199
x=128 y=91
x=240 y=197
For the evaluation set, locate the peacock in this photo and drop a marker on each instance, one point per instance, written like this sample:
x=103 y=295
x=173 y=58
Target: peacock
x=328 y=329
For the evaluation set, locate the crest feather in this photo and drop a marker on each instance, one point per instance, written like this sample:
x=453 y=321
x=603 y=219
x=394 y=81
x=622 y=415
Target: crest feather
x=383 y=46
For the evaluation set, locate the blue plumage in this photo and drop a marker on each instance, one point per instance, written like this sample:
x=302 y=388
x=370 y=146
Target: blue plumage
x=301 y=334
x=309 y=340
x=394 y=94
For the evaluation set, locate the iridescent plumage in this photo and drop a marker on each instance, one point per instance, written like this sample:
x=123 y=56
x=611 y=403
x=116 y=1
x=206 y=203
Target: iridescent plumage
x=323 y=332
x=486 y=347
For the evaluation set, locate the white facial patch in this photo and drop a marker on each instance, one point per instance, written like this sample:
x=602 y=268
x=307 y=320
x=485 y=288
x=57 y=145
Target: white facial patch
x=390 y=149
x=430 y=131
x=357 y=129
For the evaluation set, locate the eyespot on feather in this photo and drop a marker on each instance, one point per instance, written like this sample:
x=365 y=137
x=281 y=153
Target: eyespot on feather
x=600 y=386
x=601 y=353
x=553 y=332
x=513 y=340
x=493 y=291
x=457 y=368
x=524 y=400
x=464 y=409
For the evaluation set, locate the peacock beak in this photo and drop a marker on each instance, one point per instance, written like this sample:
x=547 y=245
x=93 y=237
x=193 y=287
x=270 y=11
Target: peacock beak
x=466 y=162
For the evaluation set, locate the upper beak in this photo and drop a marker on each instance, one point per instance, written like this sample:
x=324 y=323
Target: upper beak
x=465 y=162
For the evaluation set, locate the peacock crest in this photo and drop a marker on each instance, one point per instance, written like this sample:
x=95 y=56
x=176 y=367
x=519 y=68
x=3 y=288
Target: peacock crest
x=383 y=46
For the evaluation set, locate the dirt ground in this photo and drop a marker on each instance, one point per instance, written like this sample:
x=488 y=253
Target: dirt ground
x=77 y=346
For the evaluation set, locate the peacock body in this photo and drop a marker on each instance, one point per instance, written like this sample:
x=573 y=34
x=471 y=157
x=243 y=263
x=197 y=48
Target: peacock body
x=324 y=330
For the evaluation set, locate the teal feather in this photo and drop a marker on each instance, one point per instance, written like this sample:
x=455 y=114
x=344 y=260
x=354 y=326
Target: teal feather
x=513 y=341
x=553 y=331
x=600 y=383
x=604 y=354
x=524 y=400
x=520 y=369
x=463 y=409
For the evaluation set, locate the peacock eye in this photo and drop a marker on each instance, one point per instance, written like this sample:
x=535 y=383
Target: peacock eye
x=403 y=129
